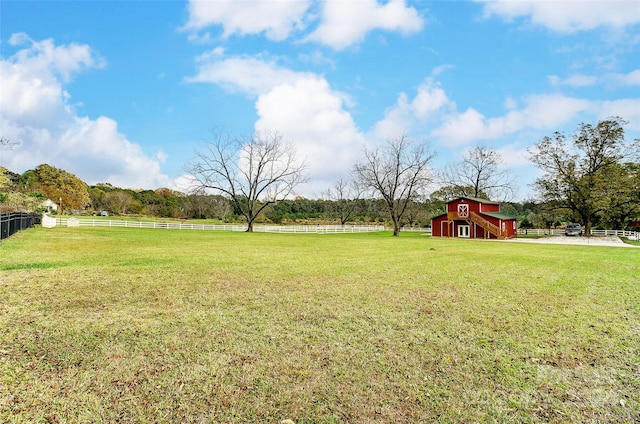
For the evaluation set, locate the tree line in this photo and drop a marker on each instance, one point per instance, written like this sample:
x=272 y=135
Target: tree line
x=591 y=176
x=28 y=191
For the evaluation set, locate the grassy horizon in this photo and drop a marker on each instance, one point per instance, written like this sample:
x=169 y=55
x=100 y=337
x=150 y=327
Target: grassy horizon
x=128 y=325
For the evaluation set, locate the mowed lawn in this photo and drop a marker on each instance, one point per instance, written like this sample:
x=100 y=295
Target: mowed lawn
x=139 y=326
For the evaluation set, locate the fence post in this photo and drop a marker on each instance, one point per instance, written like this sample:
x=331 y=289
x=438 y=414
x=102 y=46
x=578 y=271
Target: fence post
x=12 y=222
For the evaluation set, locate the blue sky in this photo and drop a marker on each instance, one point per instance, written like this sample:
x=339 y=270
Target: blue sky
x=125 y=91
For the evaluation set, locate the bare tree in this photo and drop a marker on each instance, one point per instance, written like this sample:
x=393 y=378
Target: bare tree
x=479 y=173
x=399 y=172
x=6 y=144
x=253 y=172
x=118 y=201
x=344 y=195
x=199 y=204
x=417 y=211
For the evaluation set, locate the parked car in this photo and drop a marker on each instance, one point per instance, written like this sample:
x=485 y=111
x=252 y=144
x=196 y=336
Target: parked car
x=573 y=230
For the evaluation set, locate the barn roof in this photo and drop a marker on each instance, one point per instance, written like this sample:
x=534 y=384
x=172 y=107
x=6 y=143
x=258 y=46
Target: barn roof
x=475 y=199
x=499 y=215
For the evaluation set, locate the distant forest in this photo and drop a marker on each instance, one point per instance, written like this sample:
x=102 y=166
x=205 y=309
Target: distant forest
x=29 y=191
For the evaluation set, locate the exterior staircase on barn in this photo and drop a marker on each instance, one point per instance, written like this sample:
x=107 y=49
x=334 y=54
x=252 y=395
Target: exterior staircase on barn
x=486 y=225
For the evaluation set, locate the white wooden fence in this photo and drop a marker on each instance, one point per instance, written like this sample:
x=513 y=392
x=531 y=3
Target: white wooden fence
x=426 y=230
x=634 y=235
x=297 y=229
x=49 y=222
x=317 y=229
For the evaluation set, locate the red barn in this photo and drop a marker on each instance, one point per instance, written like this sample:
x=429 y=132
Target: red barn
x=468 y=217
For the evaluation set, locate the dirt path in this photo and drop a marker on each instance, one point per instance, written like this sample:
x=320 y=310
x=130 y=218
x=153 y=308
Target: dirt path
x=590 y=241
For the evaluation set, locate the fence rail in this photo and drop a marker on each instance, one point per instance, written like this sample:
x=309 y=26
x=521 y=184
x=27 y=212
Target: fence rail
x=297 y=229
x=426 y=230
x=48 y=221
x=560 y=232
x=12 y=222
x=318 y=229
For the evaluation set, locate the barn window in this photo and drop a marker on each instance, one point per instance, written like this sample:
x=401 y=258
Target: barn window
x=463 y=210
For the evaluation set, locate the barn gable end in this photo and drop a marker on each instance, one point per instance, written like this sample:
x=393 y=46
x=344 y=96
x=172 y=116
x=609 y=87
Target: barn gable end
x=469 y=217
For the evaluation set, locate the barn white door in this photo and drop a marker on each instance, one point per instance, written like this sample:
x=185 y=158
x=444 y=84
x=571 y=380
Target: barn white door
x=463 y=231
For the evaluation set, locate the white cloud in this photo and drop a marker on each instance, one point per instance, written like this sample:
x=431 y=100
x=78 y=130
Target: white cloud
x=64 y=61
x=301 y=107
x=510 y=103
x=347 y=22
x=317 y=58
x=311 y=116
x=36 y=110
x=430 y=100
x=463 y=128
x=546 y=112
x=514 y=155
x=618 y=79
x=628 y=109
x=341 y=23
x=315 y=119
x=567 y=16
x=541 y=111
x=439 y=70
x=30 y=97
x=275 y=18
x=200 y=38
x=432 y=111
x=613 y=79
x=252 y=75
x=573 y=80
x=95 y=148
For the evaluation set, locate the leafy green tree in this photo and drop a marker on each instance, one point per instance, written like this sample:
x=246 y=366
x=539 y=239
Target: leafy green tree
x=151 y=202
x=17 y=201
x=622 y=195
x=525 y=224
x=417 y=213
x=201 y=205
x=98 y=198
x=59 y=184
x=547 y=215
x=172 y=206
x=577 y=173
x=4 y=179
x=28 y=179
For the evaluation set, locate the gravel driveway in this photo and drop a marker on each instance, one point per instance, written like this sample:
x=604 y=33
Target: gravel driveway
x=590 y=241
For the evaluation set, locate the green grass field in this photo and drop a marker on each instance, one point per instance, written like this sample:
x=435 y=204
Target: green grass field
x=139 y=326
